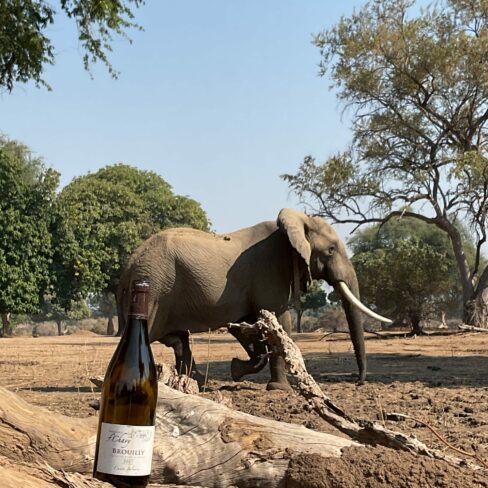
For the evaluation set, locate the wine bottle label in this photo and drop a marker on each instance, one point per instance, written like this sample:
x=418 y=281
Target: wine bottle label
x=125 y=450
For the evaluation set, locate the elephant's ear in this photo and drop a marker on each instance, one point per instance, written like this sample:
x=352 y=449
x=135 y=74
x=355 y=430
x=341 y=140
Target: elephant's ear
x=294 y=224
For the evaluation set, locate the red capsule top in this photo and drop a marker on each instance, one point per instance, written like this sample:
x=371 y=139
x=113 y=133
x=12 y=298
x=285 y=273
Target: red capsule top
x=139 y=300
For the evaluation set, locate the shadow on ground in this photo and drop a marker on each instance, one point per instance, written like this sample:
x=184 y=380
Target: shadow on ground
x=59 y=389
x=433 y=371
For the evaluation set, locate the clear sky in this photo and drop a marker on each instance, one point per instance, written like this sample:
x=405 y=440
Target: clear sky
x=219 y=97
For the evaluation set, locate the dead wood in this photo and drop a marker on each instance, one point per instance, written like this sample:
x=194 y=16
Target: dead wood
x=32 y=434
x=167 y=375
x=472 y=328
x=363 y=431
x=198 y=443
x=399 y=416
x=201 y=442
x=22 y=475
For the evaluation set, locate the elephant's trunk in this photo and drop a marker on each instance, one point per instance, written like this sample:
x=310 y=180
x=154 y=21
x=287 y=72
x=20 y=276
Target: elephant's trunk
x=355 y=321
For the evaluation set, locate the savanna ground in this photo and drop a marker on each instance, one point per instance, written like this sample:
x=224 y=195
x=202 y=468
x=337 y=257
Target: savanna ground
x=441 y=381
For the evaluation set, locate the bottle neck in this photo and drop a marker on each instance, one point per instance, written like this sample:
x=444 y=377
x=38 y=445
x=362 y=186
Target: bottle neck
x=139 y=304
x=136 y=326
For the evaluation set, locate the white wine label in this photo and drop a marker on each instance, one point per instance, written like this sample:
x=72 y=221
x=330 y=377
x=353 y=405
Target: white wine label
x=125 y=450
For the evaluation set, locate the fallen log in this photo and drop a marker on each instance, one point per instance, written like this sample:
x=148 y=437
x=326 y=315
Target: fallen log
x=20 y=475
x=198 y=443
x=471 y=328
x=34 y=435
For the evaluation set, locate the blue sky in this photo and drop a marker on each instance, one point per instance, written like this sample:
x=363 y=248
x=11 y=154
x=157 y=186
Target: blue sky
x=218 y=97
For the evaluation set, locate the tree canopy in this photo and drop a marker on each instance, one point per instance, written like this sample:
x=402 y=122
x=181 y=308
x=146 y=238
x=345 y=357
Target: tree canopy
x=407 y=270
x=51 y=310
x=102 y=217
x=28 y=192
x=25 y=47
x=417 y=88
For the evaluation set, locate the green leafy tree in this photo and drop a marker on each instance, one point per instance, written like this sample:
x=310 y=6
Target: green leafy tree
x=98 y=224
x=407 y=270
x=102 y=217
x=314 y=298
x=27 y=192
x=417 y=88
x=25 y=47
x=51 y=310
x=105 y=305
x=163 y=207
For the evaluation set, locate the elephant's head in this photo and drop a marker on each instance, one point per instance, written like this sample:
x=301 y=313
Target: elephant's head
x=325 y=257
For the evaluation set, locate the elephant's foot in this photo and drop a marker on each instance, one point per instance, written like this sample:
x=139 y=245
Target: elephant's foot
x=183 y=368
x=240 y=368
x=237 y=369
x=200 y=378
x=279 y=380
x=279 y=385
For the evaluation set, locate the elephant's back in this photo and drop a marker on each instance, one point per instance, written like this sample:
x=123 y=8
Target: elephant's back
x=168 y=240
x=161 y=254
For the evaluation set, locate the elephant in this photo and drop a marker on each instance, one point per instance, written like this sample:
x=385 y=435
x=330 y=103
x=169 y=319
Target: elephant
x=201 y=281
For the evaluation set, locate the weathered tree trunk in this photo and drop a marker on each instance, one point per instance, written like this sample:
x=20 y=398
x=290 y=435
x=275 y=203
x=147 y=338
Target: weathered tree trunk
x=474 y=312
x=443 y=324
x=476 y=309
x=198 y=442
x=6 y=328
x=32 y=434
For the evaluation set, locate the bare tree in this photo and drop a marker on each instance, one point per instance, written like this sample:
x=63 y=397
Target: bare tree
x=418 y=90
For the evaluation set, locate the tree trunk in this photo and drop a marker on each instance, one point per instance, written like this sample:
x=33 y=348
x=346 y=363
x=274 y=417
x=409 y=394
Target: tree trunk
x=110 y=325
x=461 y=260
x=471 y=311
x=111 y=310
x=299 y=320
x=59 y=323
x=6 y=328
x=363 y=431
x=416 y=327
x=476 y=309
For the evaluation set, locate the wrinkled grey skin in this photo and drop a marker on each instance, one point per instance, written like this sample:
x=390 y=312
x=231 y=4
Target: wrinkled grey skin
x=201 y=281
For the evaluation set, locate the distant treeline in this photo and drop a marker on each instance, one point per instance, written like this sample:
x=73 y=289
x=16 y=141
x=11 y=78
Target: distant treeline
x=59 y=248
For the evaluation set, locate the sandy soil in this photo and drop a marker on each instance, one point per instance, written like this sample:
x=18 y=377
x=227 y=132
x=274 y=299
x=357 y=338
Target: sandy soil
x=441 y=381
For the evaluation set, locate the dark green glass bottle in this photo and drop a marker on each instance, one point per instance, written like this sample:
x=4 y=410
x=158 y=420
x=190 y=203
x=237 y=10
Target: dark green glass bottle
x=128 y=405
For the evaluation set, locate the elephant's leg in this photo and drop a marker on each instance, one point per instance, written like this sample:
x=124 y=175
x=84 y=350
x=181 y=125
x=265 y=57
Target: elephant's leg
x=184 y=362
x=255 y=347
x=189 y=360
x=279 y=380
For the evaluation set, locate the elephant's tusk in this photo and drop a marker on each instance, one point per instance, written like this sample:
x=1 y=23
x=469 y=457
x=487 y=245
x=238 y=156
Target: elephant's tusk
x=348 y=294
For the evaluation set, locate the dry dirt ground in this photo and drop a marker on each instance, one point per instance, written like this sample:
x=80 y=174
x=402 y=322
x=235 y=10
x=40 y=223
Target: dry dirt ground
x=442 y=381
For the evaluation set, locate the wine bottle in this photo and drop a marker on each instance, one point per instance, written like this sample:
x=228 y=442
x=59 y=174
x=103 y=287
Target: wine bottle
x=128 y=405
